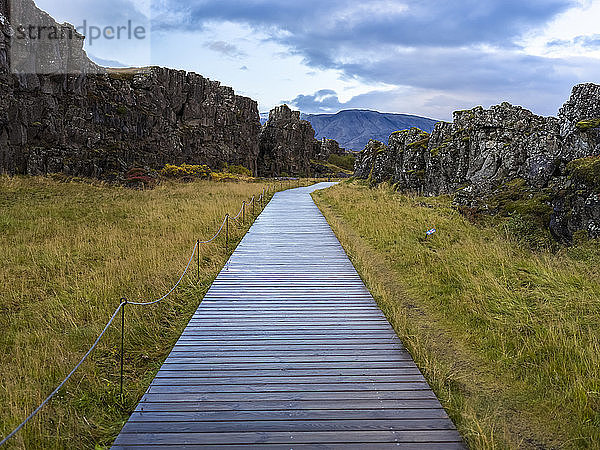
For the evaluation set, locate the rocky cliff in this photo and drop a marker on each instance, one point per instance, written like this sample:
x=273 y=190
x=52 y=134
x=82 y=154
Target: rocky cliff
x=79 y=119
x=287 y=145
x=482 y=150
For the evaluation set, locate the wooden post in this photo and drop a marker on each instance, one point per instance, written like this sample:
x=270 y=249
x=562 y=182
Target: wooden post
x=226 y=233
x=124 y=301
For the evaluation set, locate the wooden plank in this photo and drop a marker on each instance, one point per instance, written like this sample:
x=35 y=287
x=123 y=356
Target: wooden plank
x=271 y=372
x=311 y=437
x=268 y=405
x=290 y=387
x=344 y=446
x=177 y=396
x=251 y=380
x=288 y=349
x=289 y=425
x=294 y=414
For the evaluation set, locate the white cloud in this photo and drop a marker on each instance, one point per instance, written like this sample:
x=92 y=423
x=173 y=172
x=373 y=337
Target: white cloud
x=581 y=20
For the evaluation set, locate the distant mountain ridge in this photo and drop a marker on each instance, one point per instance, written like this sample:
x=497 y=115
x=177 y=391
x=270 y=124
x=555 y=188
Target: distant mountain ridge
x=353 y=128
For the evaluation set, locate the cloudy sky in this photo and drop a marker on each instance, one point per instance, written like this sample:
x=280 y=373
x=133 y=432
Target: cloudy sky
x=422 y=57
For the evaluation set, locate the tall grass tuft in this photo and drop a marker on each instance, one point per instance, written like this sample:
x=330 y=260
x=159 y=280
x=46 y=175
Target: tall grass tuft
x=509 y=337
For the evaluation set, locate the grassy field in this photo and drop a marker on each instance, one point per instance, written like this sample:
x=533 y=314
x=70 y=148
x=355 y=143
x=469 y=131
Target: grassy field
x=508 y=337
x=70 y=251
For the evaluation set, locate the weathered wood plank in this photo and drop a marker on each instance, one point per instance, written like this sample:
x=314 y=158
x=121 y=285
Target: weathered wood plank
x=294 y=414
x=267 y=405
x=311 y=437
x=344 y=446
x=290 y=425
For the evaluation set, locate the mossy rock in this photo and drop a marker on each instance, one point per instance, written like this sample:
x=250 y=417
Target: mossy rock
x=422 y=143
x=585 y=170
x=588 y=124
x=514 y=197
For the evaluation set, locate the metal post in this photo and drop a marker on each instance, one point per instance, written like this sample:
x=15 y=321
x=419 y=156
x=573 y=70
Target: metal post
x=124 y=301
x=198 y=257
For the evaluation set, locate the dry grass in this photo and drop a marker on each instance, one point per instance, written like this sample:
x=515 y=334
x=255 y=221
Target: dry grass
x=70 y=251
x=509 y=338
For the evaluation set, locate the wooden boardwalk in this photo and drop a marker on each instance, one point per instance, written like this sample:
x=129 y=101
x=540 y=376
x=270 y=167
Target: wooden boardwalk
x=289 y=350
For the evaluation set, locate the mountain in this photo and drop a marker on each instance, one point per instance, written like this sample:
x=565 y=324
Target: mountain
x=354 y=128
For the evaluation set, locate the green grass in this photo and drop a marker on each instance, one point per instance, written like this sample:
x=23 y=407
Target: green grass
x=70 y=251
x=508 y=337
x=344 y=162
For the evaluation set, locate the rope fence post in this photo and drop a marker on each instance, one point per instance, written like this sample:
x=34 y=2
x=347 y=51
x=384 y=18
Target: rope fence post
x=198 y=258
x=244 y=212
x=253 y=206
x=226 y=234
x=124 y=303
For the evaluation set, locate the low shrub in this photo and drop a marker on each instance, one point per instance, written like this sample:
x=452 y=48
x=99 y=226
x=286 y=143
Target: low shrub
x=185 y=171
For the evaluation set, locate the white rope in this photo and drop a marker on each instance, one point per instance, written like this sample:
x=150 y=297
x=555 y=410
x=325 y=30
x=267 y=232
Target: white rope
x=217 y=234
x=36 y=410
x=174 y=287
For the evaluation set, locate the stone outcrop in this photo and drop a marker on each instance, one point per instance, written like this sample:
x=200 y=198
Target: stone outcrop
x=287 y=145
x=481 y=150
x=328 y=147
x=33 y=42
x=102 y=123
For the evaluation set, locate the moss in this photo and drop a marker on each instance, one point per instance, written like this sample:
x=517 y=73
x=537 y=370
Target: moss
x=37 y=124
x=396 y=133
x=587 y=124
x=121 y=75
x=422 y=143
x=122 y=110
x=344 y=161
x=585 y=170
x=418 y=173
x=525 y=213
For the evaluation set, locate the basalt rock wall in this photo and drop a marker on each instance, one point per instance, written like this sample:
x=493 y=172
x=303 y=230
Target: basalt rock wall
x=482 y=150
x=288 y=146
x=80 y=119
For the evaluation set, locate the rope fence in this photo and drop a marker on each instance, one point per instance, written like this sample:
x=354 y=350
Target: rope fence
x=121 y=308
